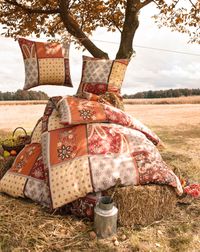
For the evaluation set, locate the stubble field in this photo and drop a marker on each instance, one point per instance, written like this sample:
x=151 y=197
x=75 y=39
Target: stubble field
x=25 y=226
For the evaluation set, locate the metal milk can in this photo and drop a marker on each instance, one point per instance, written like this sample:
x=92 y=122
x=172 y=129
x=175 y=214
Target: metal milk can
x=105 y=217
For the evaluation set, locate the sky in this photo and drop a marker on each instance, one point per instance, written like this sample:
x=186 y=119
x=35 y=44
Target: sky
x=148 y=70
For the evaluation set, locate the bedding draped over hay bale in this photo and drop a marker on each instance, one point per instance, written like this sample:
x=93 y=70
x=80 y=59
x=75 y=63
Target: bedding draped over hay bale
x=142 y=205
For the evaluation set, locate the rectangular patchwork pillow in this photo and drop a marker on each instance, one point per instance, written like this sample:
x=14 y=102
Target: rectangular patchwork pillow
x=46 y=63
x=102 y=75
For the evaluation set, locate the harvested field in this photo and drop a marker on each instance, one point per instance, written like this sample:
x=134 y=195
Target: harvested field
x=166 y=115
x=21 y=115
x=152 y=115
x=25 y=226
x=172 y=100
x=31 y=102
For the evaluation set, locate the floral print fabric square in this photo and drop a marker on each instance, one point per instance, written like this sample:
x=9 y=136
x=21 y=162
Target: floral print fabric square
x=73 y=110
x=38 y=191
x=37 y=132
x=70 y=143
x=52 y=71
x=26 y=159
x=107 y=169
x=96 y=71
x=117 y=75
x=46 y=63
x=13 y=182
x=70 y=181
x=37 y=187
x=65 y=155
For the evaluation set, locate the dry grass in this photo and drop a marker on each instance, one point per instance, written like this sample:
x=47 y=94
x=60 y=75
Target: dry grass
x=173 y=100
x=25 y=226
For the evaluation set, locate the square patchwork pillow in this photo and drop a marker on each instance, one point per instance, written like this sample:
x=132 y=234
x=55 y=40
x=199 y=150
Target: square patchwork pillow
x=46 y=63
x=101 y=75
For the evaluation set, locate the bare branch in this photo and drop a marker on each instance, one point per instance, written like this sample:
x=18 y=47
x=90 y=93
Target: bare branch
x=32 y=10
x=192 y=4
x=71 y=5
x=112 y=20
x=118 y=29
x=156 y=3
x=142 y=4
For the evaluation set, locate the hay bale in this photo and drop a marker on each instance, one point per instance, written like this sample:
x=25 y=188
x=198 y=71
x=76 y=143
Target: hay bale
x=143 y=205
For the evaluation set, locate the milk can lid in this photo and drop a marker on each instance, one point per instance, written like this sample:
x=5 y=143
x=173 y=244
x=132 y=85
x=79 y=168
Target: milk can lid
x=106 y=203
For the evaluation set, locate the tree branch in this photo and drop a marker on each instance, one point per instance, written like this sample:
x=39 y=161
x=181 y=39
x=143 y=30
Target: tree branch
x=113 y=19
x=192 y=4
x=32 y=10
x=72 y=4
x=130 y=26
x=142 y=4
x=114 y=23
x=74 y=29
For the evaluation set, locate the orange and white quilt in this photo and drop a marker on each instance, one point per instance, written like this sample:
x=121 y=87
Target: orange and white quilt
x=83 y=146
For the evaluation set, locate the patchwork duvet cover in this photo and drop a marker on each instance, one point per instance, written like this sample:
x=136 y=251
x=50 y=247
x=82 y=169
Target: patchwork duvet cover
x=81 y=146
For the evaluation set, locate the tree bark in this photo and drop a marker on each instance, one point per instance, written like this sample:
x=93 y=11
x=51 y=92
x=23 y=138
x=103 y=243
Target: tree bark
x=74 y=29
x=130 y=26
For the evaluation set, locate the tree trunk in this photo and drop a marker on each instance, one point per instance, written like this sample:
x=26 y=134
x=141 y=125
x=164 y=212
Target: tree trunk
x=130 y=26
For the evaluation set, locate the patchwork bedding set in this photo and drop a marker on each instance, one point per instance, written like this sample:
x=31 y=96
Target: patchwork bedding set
x=83 y=144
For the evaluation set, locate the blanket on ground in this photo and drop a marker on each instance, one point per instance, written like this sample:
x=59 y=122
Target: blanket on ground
x=81 y=146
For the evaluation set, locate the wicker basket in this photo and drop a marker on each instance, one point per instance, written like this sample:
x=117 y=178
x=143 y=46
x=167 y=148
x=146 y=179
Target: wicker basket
x=24 y=139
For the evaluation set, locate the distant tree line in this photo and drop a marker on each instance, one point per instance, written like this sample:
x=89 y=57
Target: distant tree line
x=21 y=95
x=164 y=93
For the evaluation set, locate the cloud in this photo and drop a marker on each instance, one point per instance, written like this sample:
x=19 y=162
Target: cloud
x=190 y=72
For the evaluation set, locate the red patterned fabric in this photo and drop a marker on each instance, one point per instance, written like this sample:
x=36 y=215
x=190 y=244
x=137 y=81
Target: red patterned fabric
x=84 y=207
x=193 y=190
x=73 y=111
x=87 y=147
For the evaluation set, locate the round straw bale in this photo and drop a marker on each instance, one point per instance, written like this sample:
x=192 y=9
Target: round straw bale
x=143 y=205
